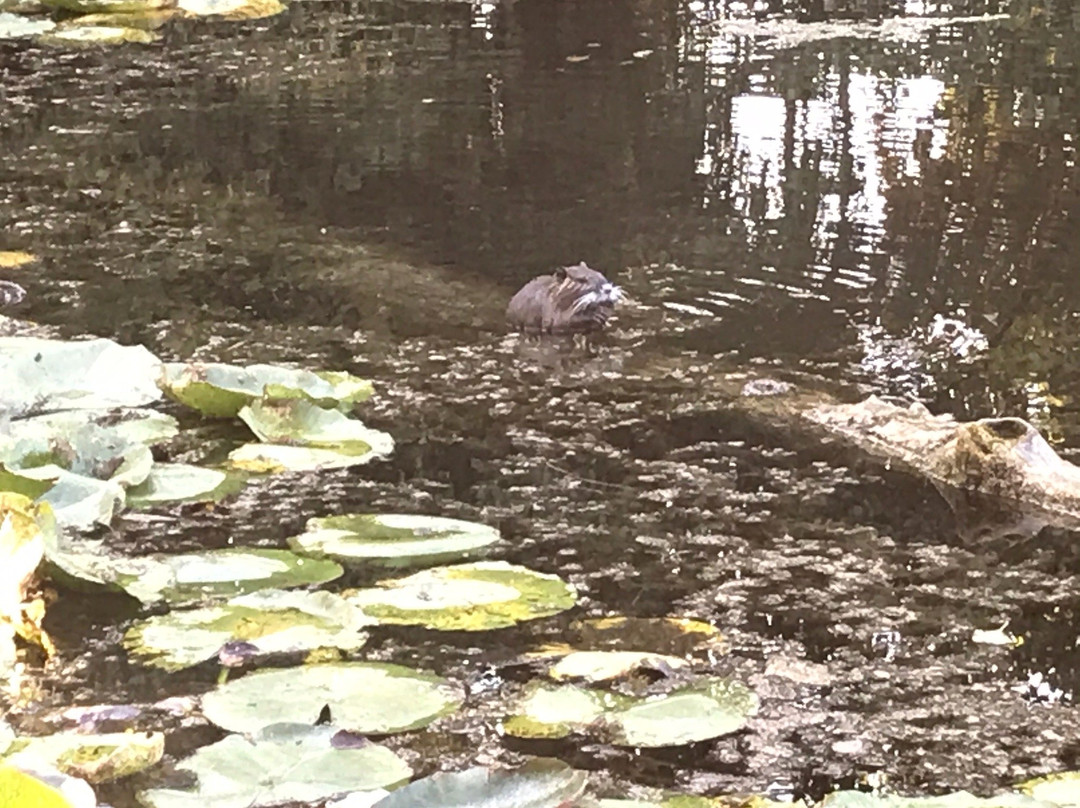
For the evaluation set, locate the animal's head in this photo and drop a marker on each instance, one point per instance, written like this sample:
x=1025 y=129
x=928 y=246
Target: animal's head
x=584 y=288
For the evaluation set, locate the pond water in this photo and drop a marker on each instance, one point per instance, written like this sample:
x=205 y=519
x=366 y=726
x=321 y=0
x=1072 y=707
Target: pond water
x=362 y=185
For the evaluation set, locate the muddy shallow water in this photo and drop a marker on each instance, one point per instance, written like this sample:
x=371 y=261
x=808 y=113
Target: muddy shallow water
x=363 y=185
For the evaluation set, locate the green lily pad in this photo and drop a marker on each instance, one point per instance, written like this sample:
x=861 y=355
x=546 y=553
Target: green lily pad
x=540 y=783
x=13 y=26
x=268 y=622
x=705 y=709
x=296 y=422
x=1062 y=788
x=392 y=539
x=148 y=20
x=187 y=577
x=94 y=758
x=364 y=697
x=78 y=502
x=107 y=6
x=180 y=482
x=466 y=597
x=678 y=636
x=43 y=375
x=239 y=570
x=281 y=764
x=223 y=390
x=270 y=458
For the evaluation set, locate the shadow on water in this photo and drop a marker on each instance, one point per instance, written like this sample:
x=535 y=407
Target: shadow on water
x=363 y=184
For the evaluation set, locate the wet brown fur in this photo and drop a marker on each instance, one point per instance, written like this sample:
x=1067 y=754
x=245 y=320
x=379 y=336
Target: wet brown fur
x=546 y=304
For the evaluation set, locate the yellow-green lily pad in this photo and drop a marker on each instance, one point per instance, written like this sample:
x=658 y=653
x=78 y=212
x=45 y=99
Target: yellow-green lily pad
x=94 y=758
x=392 y=539
x=466 y=597
x=223 y=390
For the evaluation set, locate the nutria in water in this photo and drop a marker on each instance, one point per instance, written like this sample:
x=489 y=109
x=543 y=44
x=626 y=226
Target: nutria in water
x=572 y=299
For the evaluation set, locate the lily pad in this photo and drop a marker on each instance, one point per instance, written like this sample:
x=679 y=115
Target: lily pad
x=107 y=6
x=270 y=458
x=180 y=482
x=90 y=35
x=281 y=764
x=466 y=597
x=80 y=502
x=223 y=390
x=233 y=9
x=1062 y=788
x=41 y=790
x=364 y=697
x=705 y=709
x=128 y=424
x=956 y=799
x=94 y=758
x=44 y=375
x=268 y=622
x=23 y=529
x=13 y=259
x=392 y=539
x=188 y=577
x=13 y=26
x=540 y=783
x=296 y=422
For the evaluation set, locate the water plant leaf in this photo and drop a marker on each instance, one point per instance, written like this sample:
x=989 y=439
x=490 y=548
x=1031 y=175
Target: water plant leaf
x=13 y=26
x=121 y=424
x=599 y=666
x=223 y=390
x=297 y=422
x=365 y=697
x=271 y=458
x=94 y=758
x=540 y=783
x=90 y=35
x=13 y=259
x=233 y=9
x=42 y=375
x=955 y=799
x=1061 y=788
x=181 y=482
x=282 y=764
x=706 y=709
x=186 y=577
x=268 y=622
x=392 y=539
x=238 y=570
x=22 y=546
x=466 y=597
x=47 y=783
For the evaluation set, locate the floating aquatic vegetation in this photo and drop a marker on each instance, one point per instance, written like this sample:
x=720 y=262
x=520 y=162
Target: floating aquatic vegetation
x=267 y=622
x=232 y=9
x=466 y=597
x=392 y=539
x=707 y=708
x=94 y=758
x=365 y=697
x=13 y=259
x=956 y=799
x=180 y=482
x=1061 y=788
x=187 y=577
x=271 y=458
x=43 y=788
x=540 y=783
x=223 y=390
x=23 y=530
x=14 y=26
x=295 y=422
x=282 y=763
x=90 y=35
x=663 y=635
x=43 y=375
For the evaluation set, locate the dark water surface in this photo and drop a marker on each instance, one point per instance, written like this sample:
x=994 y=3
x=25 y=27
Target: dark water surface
x=362 y=185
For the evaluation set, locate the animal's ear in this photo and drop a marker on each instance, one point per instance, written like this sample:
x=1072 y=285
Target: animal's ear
x=560 y=274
